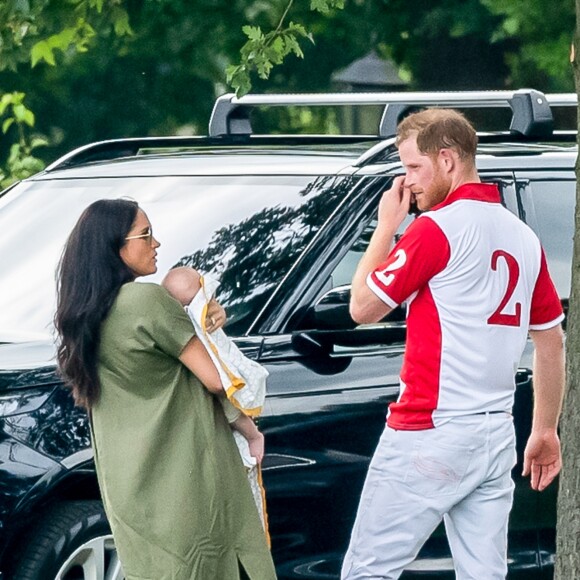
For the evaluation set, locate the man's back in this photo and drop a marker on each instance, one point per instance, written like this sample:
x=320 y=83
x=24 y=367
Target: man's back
x=468 y=322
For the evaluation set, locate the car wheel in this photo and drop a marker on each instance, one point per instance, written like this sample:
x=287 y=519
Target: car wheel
x=72 y=542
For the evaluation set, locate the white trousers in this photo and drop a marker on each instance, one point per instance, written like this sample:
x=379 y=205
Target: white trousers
x=459 y=472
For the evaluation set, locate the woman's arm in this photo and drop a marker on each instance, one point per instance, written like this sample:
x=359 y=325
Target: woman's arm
x=196 y=358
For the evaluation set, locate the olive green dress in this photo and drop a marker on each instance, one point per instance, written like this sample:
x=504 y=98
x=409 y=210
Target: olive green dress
x=171 y=477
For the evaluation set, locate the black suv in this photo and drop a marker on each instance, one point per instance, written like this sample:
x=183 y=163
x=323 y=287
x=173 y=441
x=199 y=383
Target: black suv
x=282 y=222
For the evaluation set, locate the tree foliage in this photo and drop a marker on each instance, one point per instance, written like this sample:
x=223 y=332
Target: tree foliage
x=21 y=162
x=540 y=34
x=40 y=31
x=263 y=51
x=149 y=67
x=34 y=30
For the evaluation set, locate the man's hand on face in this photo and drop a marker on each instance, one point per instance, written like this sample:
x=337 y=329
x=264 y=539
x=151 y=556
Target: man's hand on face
x=394 y=205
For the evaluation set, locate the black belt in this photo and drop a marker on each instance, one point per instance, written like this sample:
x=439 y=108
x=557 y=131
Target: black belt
x=491 y=412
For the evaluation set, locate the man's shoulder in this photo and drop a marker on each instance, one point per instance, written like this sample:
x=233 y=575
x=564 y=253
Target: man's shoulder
x=425 y=226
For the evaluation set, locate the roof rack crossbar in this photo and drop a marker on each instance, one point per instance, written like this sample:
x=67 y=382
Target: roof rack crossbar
x=134 y=146
x=115 y=148
x=531 y=109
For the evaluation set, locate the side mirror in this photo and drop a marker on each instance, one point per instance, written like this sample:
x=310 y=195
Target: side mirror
x=329 y=327
x=331 y=311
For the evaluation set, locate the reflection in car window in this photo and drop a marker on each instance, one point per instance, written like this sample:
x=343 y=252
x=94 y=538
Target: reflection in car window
x=246 y=230
x=552 y=218
x=344 y=271
x=251 y=256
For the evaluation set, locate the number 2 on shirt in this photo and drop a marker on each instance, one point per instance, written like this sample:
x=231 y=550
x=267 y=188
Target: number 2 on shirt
x=499 y=317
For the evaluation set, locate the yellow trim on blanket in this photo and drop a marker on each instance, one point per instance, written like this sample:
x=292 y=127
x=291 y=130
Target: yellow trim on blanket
x=237 y=382
x=263 y=494
x=253 y=412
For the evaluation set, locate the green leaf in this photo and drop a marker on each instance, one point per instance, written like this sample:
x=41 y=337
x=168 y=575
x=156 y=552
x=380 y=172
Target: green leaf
x=264 y=67
x=319 y=6
x=239 y=79
x=42 y=51
x=294 y=47
x=6 y=125
x=120 y=20
x=325 y=6
x=19 y=112
x=38 y=142
x=30 y=165
x=253 y=32
x=6 y=100
x=511 y=26
x=28 y=117
x=13 y=154
x=299 y=29
x=63 y=39
x=98 y=4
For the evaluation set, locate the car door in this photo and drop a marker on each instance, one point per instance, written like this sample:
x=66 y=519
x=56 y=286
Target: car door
x=329 y=387
x=329 y=391
x=547 y=200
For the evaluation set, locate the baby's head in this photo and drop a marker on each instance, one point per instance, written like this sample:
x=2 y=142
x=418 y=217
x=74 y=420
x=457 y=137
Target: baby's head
x=182 y=283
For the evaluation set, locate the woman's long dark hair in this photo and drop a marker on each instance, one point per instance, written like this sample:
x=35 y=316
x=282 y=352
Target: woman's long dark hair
x=89 y=276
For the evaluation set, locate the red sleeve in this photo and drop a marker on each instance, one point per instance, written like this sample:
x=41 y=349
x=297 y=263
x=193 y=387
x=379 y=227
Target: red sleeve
x=546 y=310
x=421 y=253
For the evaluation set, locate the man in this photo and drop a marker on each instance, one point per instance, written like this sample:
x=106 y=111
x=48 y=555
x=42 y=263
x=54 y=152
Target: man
x=475 y=280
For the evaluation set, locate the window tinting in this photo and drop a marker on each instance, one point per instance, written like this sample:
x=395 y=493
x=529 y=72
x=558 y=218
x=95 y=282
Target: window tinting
x=551 y=215
x=245 y=230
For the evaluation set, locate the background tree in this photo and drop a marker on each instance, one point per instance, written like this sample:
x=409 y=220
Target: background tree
x=568 y=523
x=155 y=67
x=35 y=31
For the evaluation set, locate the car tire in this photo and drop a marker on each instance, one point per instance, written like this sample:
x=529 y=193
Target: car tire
x=73 y=541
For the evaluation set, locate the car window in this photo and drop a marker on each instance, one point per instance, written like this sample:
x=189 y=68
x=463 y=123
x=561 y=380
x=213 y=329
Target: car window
x=548 y=207
x=244 y=230
x=344 y=271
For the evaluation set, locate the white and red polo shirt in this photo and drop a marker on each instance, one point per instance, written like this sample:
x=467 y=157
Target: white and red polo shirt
x=475 y=279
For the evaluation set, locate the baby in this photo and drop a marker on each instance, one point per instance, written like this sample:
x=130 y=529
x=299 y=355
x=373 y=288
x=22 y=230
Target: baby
x=243 y=379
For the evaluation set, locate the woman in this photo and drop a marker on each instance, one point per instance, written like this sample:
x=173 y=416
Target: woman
x=171 y=478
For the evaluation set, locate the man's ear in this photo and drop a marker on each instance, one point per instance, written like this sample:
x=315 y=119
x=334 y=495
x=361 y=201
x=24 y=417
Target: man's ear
x=448 y=158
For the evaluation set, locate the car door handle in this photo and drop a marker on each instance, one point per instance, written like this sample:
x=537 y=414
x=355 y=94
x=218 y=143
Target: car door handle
x=523 y=376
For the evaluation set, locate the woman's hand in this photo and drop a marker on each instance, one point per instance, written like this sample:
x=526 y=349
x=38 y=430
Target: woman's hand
x=216 y=316
x=256 y=444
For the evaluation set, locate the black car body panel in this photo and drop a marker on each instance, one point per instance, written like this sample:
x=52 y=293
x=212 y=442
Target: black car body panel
x=282 y=225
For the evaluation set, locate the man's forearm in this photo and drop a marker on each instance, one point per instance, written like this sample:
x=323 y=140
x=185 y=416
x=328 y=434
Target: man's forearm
x=549 y=377
x=376 y=252
x=364 y=305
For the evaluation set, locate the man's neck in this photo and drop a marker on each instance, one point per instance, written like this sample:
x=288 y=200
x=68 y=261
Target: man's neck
x=464 y=177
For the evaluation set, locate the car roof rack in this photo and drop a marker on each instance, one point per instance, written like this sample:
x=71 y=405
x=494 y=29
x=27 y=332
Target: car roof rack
x=135 y=146
x=531 y=109
x=230 y=120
